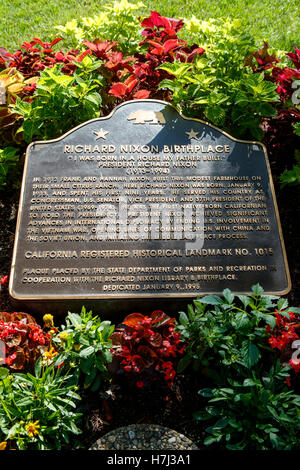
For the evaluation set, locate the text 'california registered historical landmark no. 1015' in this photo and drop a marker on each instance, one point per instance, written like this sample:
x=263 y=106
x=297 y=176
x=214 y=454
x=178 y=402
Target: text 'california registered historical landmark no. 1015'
x=146 y=203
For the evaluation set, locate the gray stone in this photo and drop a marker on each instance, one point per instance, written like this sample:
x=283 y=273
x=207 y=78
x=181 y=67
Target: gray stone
x=146 y=436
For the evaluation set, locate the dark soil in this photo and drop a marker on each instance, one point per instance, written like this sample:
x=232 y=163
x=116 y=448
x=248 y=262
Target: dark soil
x=124 y=404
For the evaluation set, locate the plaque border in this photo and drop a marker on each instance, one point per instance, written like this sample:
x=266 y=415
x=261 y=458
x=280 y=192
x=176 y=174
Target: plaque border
x=57 y=298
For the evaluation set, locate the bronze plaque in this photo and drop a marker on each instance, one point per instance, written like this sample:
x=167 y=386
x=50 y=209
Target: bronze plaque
x=146 y=203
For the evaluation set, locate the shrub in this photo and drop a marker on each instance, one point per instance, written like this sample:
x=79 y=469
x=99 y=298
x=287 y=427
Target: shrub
x=37 y=411
x=118 y=22
x=218 y=87
x=229 y=339
x=161 y=45
x=59 y=103
x=281 y=136
x=24 y=340
x=14 y=85
x=8 y=165
x=36 y=55
x=230 y=333
x=257 y=413
x=146 y=348
x=216 y=75
x=84 y=345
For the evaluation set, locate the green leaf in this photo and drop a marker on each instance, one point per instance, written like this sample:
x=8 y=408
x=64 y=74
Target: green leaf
x=242 y=320
x=210 y=299
x=274 y=440
x=270 y=320
x=244 y=299
x=266 y=110
x=282 y=304
x=251 y=383
x=229 y=296
x=183 y=363
x=38 y=367
x=87 y=351
x=215 y=114
x=297 y=128
x=183 y=319
x=201 y=415
x=211 y=440
x=292 y=310
x=257 y=289
x=178 y=69
x=206 y=392
x=75 y=319
x=96 y=384
x=108 y=356
x=94 y=98
x=3 y=373
x=250 y=354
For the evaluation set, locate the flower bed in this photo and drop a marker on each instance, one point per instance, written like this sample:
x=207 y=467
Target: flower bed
x=236 y=353
x=217 y=75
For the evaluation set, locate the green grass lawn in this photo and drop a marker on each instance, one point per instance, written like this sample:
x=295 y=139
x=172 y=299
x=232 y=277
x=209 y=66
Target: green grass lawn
x=271 y=20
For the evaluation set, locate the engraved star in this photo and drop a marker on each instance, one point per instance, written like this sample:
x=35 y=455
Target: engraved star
x=101 y=134
x=192 y=134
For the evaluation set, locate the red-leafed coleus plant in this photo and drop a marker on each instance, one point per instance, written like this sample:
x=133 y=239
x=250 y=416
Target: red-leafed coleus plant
x=36 y=55
x=280 y=138
x=138 y=77
x=22 y=340
x=146 y=348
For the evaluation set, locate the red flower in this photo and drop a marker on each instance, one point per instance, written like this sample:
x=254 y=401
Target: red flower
x=273 y=342
x=3 y=280
x=143 y=344
x=288 y=381
x=170 y=375
x=295 y=364
x=140 y=384
x=167 y=365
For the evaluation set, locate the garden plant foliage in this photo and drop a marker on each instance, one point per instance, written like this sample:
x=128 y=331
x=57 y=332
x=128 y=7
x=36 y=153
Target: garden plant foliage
x=235 y=342
x=240 y=347
x=217 y=75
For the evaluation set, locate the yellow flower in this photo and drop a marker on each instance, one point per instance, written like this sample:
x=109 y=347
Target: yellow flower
x=48 y=356
x=77 y=347
x=63 y=335
x=3 y=445
x=32 y=429
x=48 y=320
